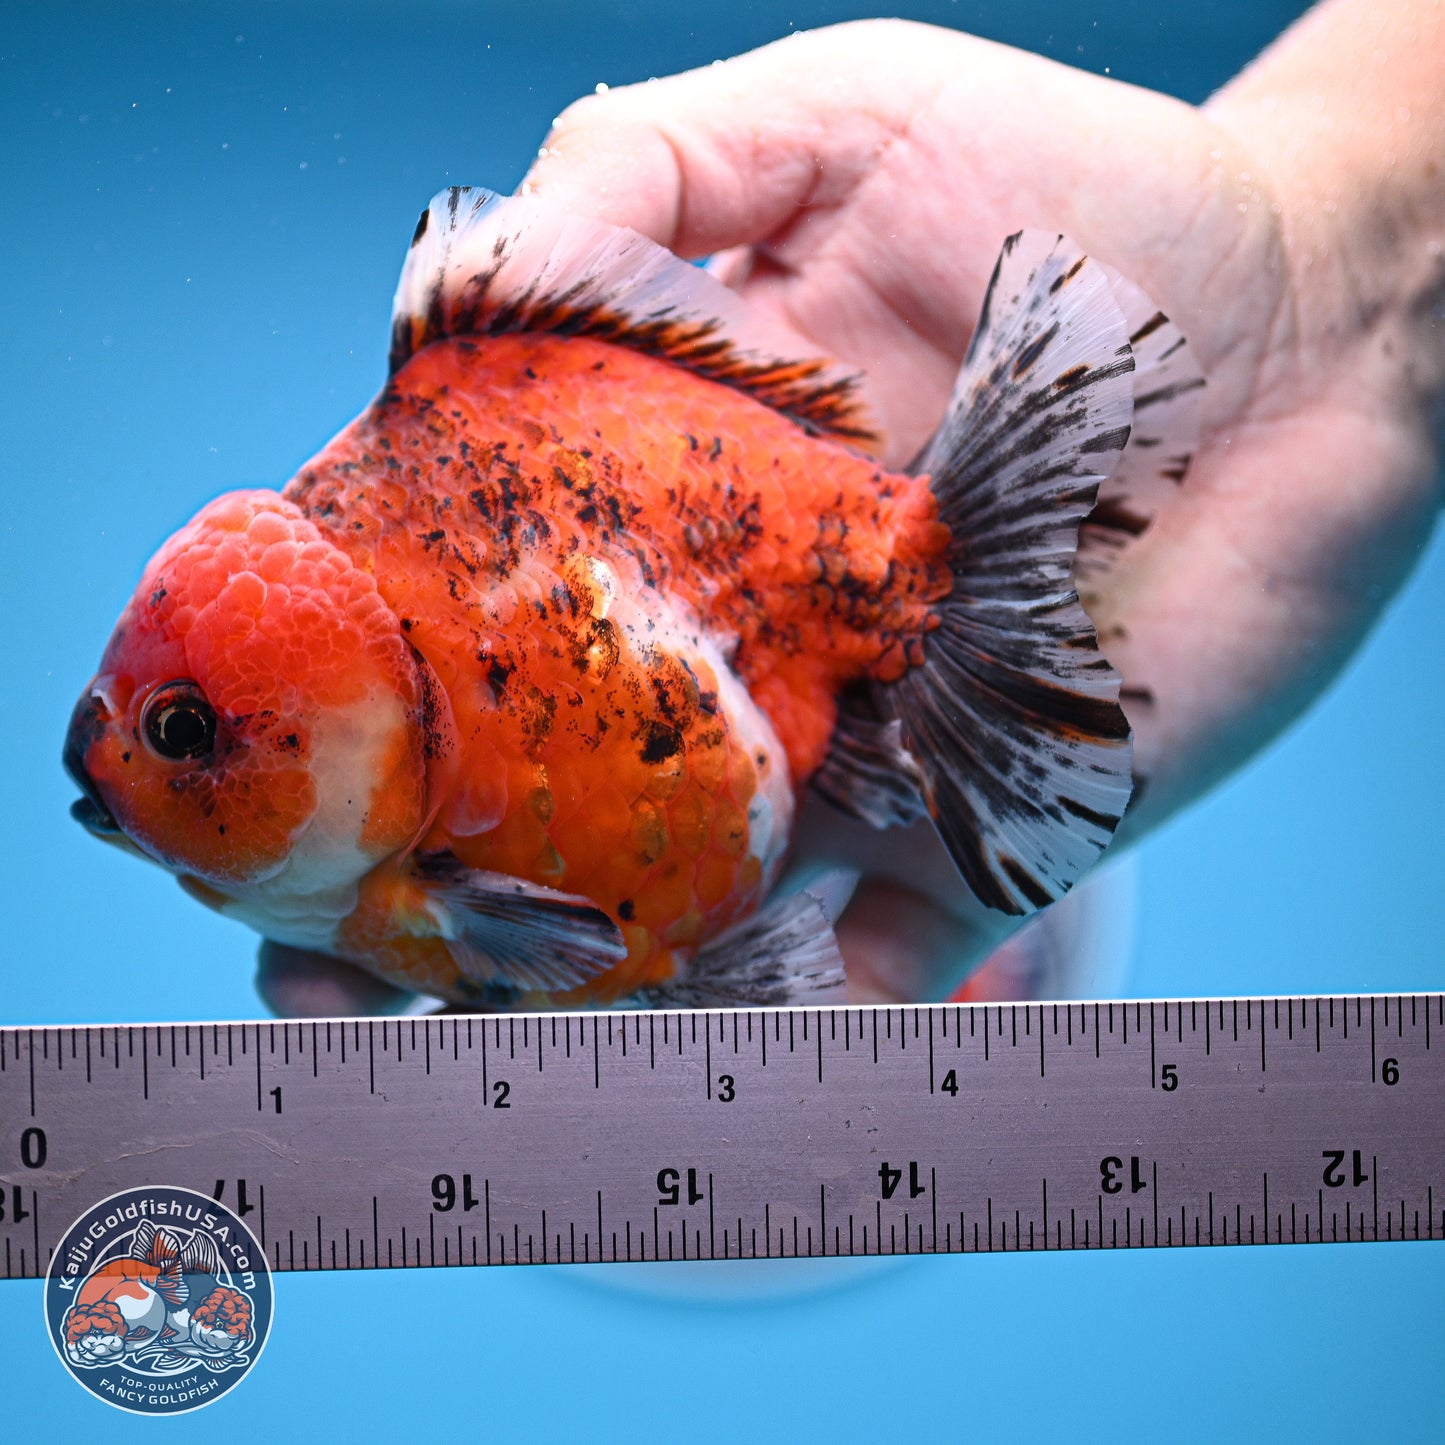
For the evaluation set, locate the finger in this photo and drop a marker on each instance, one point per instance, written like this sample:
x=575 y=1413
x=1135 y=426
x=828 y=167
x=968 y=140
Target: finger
x=900 y=946
x=875 y=168
x=732 y=267
x=1297 y=532
x=297 y=983
x=726 y=155
x=913 y=930
x=934 y=132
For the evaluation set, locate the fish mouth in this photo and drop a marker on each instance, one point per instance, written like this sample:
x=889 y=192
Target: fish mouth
x=94 y=817
x=90 y=811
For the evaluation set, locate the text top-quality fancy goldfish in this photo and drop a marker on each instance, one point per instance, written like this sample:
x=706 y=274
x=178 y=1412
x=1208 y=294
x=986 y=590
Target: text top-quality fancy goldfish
x=509 y=695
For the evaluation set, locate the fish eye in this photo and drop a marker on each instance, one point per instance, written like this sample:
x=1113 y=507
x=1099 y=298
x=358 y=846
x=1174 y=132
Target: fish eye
x=177 y=721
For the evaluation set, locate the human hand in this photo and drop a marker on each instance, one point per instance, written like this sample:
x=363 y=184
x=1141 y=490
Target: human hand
x=857 y=182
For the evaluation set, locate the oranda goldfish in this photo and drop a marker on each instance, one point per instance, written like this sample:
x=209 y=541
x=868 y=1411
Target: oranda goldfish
x=138 y=1301
x=510 y=694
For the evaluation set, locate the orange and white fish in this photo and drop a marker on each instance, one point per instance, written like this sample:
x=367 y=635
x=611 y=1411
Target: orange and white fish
x=137 y=1301
x=511 y=692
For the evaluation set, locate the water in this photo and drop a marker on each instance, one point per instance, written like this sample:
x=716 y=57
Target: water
x=206 y=208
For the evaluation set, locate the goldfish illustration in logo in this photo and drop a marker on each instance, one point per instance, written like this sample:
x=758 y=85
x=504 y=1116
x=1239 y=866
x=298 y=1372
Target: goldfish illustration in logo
x=509 y=696
x=133 y=1305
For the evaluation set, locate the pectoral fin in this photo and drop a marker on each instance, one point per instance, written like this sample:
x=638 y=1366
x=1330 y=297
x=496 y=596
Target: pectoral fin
x=502 y=929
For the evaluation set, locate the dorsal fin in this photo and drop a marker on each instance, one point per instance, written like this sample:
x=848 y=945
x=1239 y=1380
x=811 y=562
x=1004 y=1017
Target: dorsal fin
x=482 y=264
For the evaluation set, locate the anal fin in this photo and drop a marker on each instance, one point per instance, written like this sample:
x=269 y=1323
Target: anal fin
x=868 y=773
x=784 y=954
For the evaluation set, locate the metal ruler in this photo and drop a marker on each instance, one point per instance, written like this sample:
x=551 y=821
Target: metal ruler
x=558 y=1138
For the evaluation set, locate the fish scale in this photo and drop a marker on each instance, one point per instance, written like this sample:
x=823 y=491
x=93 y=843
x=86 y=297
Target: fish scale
x=763 y=1133
x=799 y=550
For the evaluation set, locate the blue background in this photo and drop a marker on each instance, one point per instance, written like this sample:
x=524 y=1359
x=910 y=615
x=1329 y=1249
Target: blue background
x=204 y=212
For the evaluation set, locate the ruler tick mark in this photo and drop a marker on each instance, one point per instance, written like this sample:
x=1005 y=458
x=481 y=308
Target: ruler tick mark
x=410 y=1079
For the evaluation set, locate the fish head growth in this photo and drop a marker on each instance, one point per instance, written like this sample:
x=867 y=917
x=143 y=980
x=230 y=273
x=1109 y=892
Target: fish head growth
x=259 y=723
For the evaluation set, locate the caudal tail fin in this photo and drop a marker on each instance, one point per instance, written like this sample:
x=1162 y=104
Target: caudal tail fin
x=1011 y=734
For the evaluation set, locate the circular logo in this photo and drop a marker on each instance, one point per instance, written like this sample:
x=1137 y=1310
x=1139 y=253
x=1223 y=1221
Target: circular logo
x=158 y=1300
